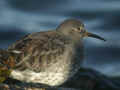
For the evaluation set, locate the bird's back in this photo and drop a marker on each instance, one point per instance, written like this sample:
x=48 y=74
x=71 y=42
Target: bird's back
x=37 y=50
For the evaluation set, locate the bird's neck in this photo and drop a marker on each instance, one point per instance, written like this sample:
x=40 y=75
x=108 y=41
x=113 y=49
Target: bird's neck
x=74 y=39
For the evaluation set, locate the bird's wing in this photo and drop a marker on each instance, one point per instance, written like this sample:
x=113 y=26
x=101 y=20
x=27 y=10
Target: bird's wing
x=36 y=51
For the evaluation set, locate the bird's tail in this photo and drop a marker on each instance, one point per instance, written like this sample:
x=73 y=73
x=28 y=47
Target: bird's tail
x=7 y=63
x=6 y=59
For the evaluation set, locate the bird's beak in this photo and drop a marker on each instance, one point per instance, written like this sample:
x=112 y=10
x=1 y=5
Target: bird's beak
x=87 y=34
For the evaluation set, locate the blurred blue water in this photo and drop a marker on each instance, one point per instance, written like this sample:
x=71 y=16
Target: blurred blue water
x=19 y=17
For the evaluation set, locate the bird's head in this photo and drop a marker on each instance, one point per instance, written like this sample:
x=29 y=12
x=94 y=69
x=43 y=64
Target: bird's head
x=75 y=29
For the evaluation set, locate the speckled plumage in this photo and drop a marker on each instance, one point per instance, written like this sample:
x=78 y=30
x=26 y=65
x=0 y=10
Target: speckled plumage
x=48 y=52
x=50 y=57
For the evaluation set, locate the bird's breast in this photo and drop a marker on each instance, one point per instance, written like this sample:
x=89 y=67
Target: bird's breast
x=49 y=78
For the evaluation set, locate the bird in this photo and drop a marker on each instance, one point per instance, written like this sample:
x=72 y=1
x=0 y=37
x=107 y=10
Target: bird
x=48 y=57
